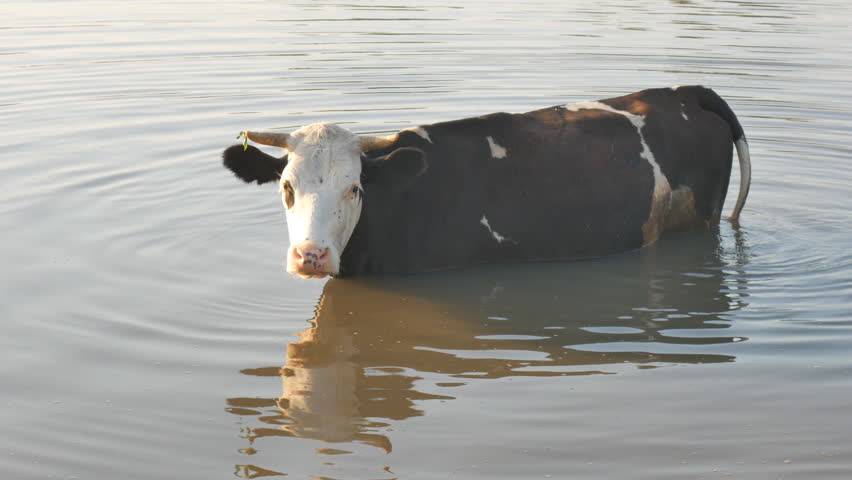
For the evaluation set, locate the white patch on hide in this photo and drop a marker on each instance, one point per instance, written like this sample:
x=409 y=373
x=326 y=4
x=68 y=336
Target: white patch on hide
x=662 y=188
x=496 y=150
x=661 y=183
x=683 y=111
x=500 y=238
x=421 y=132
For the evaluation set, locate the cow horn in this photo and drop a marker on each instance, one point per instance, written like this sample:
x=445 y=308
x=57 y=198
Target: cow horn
x=269 y=138
x=370 y=143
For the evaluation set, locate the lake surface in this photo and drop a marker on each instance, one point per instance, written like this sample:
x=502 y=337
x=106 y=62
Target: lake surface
x=149 y=330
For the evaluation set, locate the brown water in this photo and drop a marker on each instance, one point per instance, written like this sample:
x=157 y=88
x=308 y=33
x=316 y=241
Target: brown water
x=149 y=330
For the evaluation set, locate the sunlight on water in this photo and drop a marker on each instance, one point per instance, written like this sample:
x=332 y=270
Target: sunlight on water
x=150 y=330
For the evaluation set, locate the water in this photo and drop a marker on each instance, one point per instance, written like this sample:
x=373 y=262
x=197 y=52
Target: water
x=149 y=330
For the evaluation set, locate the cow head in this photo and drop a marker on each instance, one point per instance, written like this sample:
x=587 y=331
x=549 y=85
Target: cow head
x=320 y=179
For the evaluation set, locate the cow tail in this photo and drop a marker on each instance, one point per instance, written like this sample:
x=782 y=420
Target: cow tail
x=711 y=101
x=745 y=178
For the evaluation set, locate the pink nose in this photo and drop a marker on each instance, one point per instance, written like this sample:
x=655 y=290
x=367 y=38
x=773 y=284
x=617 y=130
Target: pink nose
x=308 y=259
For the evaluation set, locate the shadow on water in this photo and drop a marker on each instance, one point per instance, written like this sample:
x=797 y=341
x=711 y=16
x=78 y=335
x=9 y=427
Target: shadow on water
x=360 y=366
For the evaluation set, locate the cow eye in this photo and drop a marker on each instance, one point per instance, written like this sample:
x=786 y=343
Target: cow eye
x=355 y=189
x=289 y=196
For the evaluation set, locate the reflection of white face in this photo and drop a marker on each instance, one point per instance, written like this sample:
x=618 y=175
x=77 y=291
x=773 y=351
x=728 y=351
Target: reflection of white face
x=320 y=385
x=322 y=194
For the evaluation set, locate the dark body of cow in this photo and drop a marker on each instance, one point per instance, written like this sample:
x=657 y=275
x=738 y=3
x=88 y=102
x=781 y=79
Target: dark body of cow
x=565 y=182
x=572 y=184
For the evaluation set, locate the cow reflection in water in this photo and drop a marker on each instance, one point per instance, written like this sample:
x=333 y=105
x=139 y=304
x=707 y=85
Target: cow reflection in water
x=333 y=381
x=373 y=343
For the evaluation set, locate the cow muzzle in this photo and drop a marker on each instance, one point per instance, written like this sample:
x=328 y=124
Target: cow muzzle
x=310 y=261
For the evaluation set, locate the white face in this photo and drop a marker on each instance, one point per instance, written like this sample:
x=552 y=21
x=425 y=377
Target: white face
x=322 y=195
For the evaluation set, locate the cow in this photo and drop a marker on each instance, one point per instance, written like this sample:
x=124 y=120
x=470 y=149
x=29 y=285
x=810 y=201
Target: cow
x=566 y=182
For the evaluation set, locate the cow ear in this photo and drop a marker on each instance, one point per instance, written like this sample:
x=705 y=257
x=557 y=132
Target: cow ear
x=396 y=170
x=252 y=165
